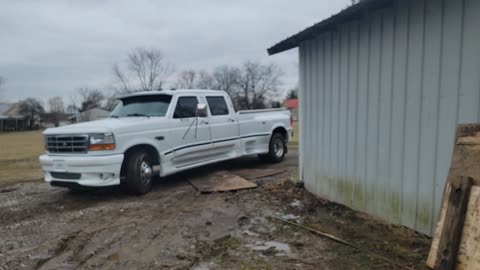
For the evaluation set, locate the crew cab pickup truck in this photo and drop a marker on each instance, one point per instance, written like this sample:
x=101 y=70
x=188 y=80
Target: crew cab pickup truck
x=159 y=133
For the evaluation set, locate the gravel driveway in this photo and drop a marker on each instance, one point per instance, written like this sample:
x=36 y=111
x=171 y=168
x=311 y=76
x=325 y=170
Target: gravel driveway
x=176 y=227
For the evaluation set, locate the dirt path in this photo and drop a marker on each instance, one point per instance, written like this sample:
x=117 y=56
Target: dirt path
x=175 y=227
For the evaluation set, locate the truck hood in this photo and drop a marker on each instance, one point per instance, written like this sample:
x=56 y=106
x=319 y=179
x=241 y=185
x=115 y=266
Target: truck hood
x=105 y=125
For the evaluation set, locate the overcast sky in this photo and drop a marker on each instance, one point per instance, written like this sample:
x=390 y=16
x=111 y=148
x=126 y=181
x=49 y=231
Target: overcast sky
x=51 y=48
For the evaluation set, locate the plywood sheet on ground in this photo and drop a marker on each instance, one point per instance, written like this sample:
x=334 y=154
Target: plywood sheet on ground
x=257 y=173
x=220 y=181
x=465 y=162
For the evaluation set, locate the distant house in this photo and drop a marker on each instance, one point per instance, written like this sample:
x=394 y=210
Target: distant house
x=53 y=119
x=10 y=118
x=89 y=115
x=292 y=105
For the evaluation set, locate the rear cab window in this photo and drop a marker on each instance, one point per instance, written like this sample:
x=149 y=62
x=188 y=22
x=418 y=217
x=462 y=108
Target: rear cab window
x=217 y=105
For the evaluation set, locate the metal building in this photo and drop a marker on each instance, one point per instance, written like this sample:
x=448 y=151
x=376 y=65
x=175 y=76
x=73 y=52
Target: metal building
x=383 y=85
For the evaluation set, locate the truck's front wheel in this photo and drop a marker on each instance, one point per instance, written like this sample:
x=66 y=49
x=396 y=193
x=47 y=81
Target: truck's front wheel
x=139 y=173
x=276 y=149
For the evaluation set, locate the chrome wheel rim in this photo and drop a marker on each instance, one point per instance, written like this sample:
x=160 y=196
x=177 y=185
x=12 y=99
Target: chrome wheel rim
x=278 y=148
x=146 y=173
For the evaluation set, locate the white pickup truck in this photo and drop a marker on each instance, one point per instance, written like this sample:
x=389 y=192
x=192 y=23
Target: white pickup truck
x=157 y=134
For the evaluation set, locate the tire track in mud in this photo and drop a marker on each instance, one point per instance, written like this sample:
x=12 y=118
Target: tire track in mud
x=176 y=227
x=70 y=247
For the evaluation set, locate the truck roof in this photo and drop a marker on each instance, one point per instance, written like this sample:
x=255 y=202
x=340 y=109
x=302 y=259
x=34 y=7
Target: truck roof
x=171 y=92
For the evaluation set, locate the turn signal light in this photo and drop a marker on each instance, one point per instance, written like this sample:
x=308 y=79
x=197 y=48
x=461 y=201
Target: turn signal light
x=101 y=147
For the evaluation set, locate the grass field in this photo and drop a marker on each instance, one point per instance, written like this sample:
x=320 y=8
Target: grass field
x=19 y=152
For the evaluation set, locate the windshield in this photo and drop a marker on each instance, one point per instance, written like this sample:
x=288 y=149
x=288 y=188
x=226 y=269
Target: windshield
x=142 y=106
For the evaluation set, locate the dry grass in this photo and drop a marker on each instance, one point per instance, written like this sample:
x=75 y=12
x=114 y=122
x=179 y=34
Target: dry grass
x=19 y=152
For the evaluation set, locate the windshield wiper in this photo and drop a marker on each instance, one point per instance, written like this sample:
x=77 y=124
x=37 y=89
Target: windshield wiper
x=138 y=114
x=114 y=116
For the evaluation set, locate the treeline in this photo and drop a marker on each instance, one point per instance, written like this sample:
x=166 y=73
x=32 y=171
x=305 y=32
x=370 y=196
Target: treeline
x=252 y=85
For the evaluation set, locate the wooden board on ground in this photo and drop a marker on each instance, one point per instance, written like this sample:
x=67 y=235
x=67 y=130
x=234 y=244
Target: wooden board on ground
x=465 y=162
x=469 y=254
x=257 y=173
x=220 y=181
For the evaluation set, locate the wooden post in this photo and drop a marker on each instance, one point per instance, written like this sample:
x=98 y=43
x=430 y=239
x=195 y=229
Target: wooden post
x=453 y=225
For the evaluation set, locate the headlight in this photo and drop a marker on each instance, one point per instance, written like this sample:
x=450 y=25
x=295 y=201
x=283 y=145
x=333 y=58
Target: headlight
x=99 y=142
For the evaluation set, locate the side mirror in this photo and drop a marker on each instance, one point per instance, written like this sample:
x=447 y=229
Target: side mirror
x=201 y=110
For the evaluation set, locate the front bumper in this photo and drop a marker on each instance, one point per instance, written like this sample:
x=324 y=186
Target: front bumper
x=90 y=171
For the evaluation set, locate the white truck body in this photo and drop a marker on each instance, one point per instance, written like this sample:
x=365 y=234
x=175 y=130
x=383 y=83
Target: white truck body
x=178 y=140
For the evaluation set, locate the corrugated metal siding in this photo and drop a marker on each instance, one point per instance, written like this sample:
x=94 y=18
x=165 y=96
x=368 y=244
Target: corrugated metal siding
x=380 y=100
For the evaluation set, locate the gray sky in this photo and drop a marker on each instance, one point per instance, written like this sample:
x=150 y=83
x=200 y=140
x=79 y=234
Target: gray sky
x=51 y=48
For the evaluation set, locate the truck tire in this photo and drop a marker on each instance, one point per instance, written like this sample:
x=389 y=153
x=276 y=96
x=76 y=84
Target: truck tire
x=276 y=149
x=139 y=173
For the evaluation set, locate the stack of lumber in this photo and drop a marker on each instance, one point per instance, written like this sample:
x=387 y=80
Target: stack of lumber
x=456 y=242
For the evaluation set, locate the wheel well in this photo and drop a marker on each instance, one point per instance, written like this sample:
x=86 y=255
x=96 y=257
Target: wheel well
x=145 y=147
x=282 y=131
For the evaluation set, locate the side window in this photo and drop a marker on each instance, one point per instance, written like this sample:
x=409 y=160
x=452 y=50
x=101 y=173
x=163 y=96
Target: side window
x=186 y=107
x=217 y=106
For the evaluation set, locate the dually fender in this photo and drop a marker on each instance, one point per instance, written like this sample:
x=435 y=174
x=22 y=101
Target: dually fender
x=279 y=125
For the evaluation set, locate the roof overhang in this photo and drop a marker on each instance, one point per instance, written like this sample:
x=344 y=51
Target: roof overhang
x=352 y=13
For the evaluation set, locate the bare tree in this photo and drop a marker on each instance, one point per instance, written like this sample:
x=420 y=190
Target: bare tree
x=56 y=105
x=57 y=110
x=121 y=78
x=186 y=79
x=75 y=102
x=31 y=108
x=192 y=79
x=226 y=78
x=147 y=71
x=90 y=98
x=110 y=103
x=205 y=80
x=257 y=83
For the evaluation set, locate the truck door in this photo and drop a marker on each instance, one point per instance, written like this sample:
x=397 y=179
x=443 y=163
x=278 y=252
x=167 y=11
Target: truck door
x=192 y=134
x=224 y=127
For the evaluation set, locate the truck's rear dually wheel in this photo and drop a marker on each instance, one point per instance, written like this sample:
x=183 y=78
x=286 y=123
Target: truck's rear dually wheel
x=276 y=148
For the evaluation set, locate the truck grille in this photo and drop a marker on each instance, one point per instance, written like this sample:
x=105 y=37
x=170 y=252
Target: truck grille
x=67 y=143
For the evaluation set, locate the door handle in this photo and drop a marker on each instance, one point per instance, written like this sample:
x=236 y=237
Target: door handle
x=231 y=120
x=204 y=122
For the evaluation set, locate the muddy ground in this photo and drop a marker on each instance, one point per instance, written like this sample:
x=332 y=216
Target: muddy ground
x=176 y=227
